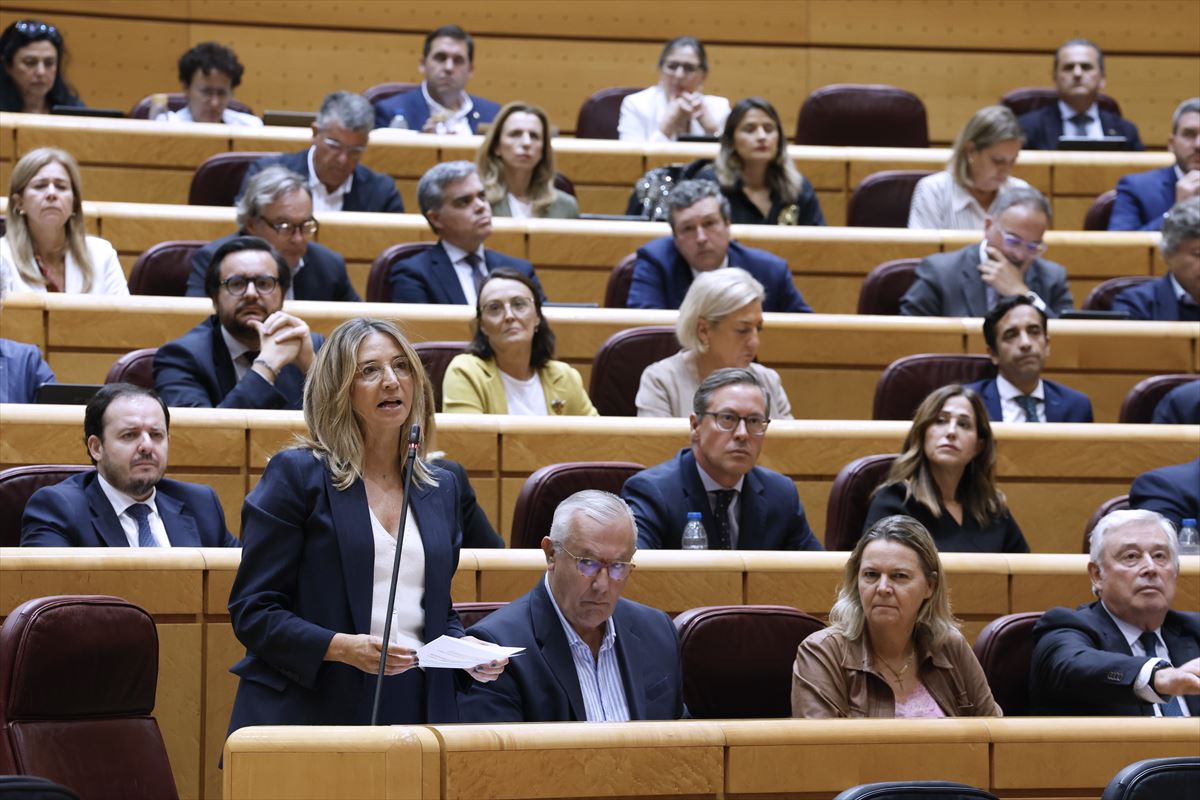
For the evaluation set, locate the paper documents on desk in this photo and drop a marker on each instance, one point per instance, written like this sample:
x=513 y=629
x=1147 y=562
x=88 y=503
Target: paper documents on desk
x=446 y=652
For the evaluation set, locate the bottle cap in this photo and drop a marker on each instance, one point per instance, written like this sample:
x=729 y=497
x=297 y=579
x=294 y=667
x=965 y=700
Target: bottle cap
x=693 y=515
x=1188 y=522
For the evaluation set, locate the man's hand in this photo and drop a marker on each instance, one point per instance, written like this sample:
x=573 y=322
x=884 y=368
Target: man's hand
x=284 y=339
x=1002 y=275
x=1174 y=681
x=1188 y=186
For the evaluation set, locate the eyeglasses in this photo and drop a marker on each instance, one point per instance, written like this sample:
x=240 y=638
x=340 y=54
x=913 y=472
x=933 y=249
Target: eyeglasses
x=263 y=284
x=31 y=28
x=755 y=425
x=373 y=373
x=307 y=228
x=519 y=305
x=675 y=66
x=338 y=147
x=1017 y=243
x=590 y=567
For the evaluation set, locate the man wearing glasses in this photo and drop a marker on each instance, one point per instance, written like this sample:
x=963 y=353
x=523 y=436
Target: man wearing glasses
x=277 y=207
x=970 y=281
x=250 y=353
x=589 y=654
x=742 y=506
x=336 y=179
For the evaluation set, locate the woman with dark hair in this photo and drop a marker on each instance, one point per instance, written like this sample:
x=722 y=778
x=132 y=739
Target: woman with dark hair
x=675 y=106
x=509 y=367
x=33 y=80
x=516 y=165
x=945 y=477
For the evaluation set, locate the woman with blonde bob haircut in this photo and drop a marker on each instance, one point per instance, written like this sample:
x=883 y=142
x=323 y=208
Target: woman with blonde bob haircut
x=718 y=326
x=945 y=477
x=892 y=648
x=980 y=170
x=46 y=248
x=320 y=533
x=516 y=165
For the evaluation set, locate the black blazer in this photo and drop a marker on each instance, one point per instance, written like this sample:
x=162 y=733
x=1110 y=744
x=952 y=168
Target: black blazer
x=369 y=191
x=429 y=277
x=1044 y=126
x=324 y=275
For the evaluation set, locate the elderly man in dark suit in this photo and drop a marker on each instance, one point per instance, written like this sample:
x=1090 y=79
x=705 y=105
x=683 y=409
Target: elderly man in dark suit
x=125 y=501
x=250 y=353
x=1079 y=78
x=1175 y=297
x=590 y=655
x=1128 y=653
x=336 y=179
x=277 y=207
x=1144 y=198
x=970 y=281
x=455 y=206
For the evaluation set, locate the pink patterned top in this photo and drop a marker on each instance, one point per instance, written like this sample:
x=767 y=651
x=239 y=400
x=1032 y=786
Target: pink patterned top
x=919 y=703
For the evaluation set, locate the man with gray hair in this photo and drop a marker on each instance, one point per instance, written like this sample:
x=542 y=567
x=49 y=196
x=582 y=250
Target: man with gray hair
x=1144 y=198
x=590 y=655
x=450 y=272
x=1128 y=653
x=336 y=179
x=970 y=281
x=699 y=242
x=741 y=505
x=1175 y=297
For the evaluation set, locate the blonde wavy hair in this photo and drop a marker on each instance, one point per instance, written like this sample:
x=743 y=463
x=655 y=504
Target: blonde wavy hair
x=491 y=168
x=20 y=240
x=334 y=433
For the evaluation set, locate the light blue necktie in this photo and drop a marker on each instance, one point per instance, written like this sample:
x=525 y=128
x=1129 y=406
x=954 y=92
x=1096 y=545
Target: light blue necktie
x=141 y=513
x=1028 y=404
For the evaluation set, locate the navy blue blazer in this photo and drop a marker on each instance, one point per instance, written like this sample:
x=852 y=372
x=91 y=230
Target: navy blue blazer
x=771 y=514
x=1063 y=404
x=1142 y=199
x=1154 y=300
x=1180 y=406
x=369 y=191
x=195 y=371
x=1172 y=491
x=429 y=276
x=412 y=106
x=76 y=513
x=1044 y=126
x=661 y=277
x=949 y=285
x=22 y=371
x=1082 y=665
x=541 y=684
x=324 y=275
x=306 y=574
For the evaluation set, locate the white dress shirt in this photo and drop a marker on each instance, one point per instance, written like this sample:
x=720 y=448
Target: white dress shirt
x=324 y=200
x=1011 y=409
x=120 y=504
x=228 y=117
x=599 y=677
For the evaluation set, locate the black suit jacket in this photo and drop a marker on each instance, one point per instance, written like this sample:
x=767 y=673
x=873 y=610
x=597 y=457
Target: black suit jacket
x=324 y=275
x=369 y=191
x=429 y=277
x=1044 y=126
x=1082 y=665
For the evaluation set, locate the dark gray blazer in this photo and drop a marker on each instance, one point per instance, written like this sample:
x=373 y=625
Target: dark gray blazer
x=949 y=285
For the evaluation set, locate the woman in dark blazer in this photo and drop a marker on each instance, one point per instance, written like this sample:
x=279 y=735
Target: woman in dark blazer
x=319 y=533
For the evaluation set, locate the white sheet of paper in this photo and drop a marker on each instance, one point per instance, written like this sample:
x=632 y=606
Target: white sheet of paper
x=446 y=652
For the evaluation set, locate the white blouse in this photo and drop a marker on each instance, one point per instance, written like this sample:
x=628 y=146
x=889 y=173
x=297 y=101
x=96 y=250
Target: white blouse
x=939 y=203
x=642 y=113
x=108 y=276
x=408 y=618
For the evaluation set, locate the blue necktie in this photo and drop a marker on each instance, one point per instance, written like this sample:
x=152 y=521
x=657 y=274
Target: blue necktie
x=478 y=271
x=1028 y=404
x=141 y=513
x=723 y=499
x=1149 y=643
x=1081 y=123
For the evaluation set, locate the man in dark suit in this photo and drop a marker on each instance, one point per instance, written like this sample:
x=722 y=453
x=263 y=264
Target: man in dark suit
x=699 y=242
x=250 y=353
x=589 y=654
x=1180 y=406
x=125 y=501
x=451 y=272
x=968 y=282
x=1128 y=653
x=336 y=179
x=441 y=103
x=1175 y=297
x=1018 y=342
x=1172 y=491
x=1079 y=78
x=277 y=207
x=1144 y=198
x=742 y=506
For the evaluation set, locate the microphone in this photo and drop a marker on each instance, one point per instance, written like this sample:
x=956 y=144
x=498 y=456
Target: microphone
x=410 y=459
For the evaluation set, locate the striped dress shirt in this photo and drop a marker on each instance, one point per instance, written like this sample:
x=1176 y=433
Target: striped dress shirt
x=599 y=678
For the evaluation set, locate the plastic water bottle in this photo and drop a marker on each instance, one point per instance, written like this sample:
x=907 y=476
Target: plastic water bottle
x=694 y=536
x=398 y=122
x=1189 y=540
x=158 y=108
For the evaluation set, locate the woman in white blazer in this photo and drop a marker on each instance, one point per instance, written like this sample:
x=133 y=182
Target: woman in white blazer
x=676 y=106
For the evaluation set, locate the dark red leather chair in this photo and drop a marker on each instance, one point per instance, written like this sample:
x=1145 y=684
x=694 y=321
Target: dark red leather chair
x=863 y=115
x=849 y=498
x=882 y=199
x=1004 y=649
x=163 y=269
x=1118 y=503
x=1100 y=211
x=600 y=113
x=550 y=485
x=737 y=660
x=78 y=676
x=1138 y=406
x=379 y=279
x=564 y=184
x=17 y=485
x=619 y=364
x=907 y=381
x=176 y=101
x=217 y=181
x=436 y=357
x=885 y=285
x=616 y=293
x=136 y=367
x=382 y=91
x=470 y=613
x=1031 y=98
x=1101 y=298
